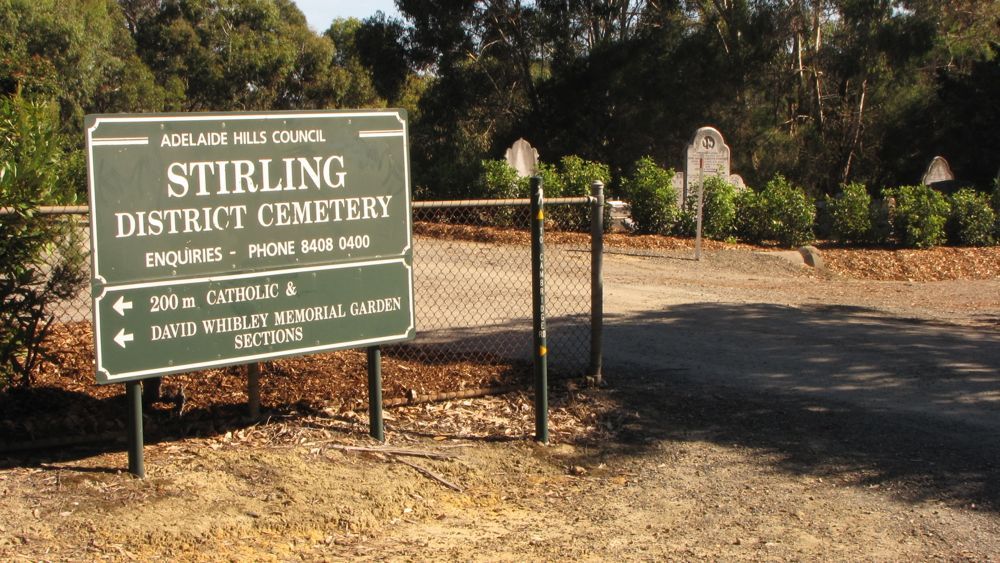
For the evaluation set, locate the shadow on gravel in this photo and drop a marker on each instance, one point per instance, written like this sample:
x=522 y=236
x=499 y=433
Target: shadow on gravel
x=97 y=426
x=845 y=393
x=908 y=406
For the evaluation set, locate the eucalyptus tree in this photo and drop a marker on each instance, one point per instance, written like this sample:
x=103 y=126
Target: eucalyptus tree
x=483 y=57
x=234 y=55
x=76 y=52
x=380 y=45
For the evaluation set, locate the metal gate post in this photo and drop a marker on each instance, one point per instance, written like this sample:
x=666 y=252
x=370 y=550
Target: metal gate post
x=538 y=310
x=596 y=280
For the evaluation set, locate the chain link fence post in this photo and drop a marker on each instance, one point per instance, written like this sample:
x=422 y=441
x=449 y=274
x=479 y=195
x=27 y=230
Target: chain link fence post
x=538 y=311
x=596 y=281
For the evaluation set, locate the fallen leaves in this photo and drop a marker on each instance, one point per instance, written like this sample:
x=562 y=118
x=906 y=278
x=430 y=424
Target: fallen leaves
x=65 y=401
x=885 y=263
x=917 y=265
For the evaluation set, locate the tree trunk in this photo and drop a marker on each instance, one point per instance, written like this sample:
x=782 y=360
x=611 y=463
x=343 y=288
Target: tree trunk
x=857 y=132
x=817 y=73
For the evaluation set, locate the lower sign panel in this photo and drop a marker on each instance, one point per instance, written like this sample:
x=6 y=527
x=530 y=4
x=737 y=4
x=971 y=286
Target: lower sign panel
x=146 y=330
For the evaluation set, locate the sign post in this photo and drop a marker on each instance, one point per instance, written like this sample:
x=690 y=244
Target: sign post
x=133 y=395
x=253 y=390
x=225 y=239
x=376 y=424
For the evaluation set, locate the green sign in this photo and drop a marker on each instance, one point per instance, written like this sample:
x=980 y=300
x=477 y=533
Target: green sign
x=198 y=323
x=186 y=208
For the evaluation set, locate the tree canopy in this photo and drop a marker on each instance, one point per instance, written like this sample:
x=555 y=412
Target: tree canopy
x=826 y=92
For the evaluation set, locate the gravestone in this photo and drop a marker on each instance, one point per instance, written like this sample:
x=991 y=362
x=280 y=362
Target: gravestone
x=737 y=180
x=706 y=156
x=937 y=172
x=523 y=158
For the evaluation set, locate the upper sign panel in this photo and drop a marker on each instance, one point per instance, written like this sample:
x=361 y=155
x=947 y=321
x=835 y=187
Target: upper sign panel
x=211 y=194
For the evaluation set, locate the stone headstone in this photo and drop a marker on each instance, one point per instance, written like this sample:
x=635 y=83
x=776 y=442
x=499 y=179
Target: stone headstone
x=737 y=180
x=937 y=172
x=707 y=155
x=523 y=158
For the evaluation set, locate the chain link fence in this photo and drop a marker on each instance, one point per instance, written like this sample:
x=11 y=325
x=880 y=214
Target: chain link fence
x=472 y=282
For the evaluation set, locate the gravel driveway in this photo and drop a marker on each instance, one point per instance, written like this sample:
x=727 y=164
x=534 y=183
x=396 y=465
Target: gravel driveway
x=754 y=322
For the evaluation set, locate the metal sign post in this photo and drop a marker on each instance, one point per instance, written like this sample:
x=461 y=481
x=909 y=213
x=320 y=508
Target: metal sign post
x=133 y=395
x=253 y=390
x=376 y=426
x=699 y=211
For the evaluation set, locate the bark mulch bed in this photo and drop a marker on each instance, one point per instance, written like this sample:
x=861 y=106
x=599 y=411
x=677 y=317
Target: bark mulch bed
x=874 y=263
x=64 y=404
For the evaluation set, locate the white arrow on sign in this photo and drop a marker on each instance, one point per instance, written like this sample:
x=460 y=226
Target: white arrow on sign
x=121 y=305
x=121 y=338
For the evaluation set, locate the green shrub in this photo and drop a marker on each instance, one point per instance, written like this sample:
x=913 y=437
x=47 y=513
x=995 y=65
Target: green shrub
x=718 y=208
x=650 y=192
x=40 y=258
x=751 y=222
x=552 y=181
x=575 y=177
x=881 y=221
x=499 y=180
x=995 y=202
x=687 y=218
x=780 y=212
x=790 y=211
x=919 y=215
x=572 y=178
x=850 y=214
x=972 y=221
x=578 y=174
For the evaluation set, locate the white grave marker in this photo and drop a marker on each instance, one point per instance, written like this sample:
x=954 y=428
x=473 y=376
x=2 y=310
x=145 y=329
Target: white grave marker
x=707 y=155
x=523 y=157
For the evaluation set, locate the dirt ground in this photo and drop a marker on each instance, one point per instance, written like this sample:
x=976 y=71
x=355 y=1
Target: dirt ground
x=752 y=410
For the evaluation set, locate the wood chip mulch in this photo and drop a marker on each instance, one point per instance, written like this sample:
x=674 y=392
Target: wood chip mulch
x=64 y=400
x=877 y=263
x=918 y=265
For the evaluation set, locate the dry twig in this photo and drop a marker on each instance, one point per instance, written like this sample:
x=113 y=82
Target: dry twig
x=428 y=473
x=394 y=451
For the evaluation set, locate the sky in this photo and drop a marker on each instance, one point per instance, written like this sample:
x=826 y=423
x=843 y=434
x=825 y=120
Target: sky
x=319 y=13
